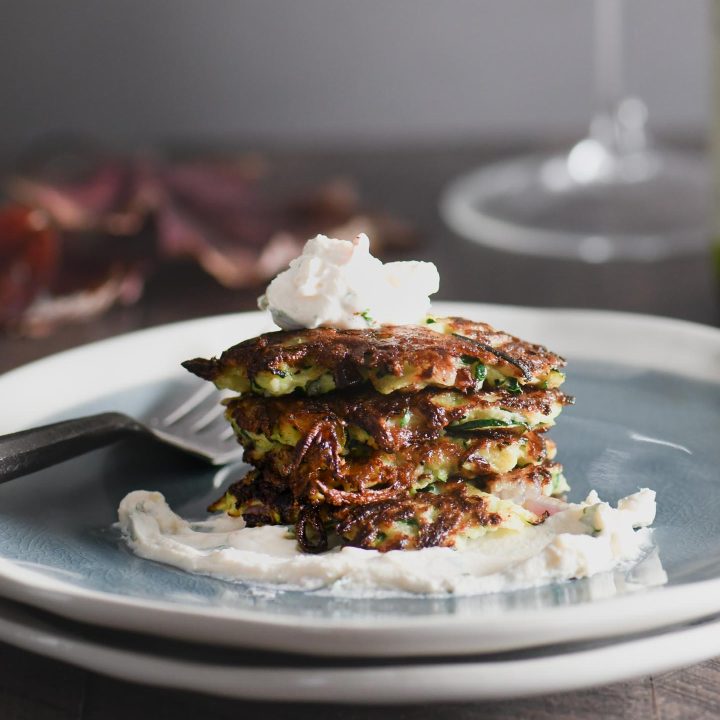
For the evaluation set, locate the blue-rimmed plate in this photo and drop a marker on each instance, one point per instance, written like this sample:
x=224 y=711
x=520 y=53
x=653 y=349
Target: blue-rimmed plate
x=648 y=414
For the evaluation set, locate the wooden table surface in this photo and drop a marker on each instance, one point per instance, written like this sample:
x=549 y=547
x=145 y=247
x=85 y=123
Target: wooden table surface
x=407 y=183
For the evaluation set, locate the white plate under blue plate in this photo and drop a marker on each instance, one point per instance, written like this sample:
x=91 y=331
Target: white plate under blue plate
x=648 y=414
x=256 y=675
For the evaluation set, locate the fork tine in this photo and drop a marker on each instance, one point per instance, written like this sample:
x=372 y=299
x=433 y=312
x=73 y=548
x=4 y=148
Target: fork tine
x=202 y=393
x=195 y=422
x=208 y=418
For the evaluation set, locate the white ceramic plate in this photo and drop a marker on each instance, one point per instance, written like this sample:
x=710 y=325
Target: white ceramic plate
x=281 y=678
x=648 y=408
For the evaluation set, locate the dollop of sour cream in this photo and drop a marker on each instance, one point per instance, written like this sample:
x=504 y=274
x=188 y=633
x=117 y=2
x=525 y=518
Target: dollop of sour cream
x=337 y=283
x=581 y=540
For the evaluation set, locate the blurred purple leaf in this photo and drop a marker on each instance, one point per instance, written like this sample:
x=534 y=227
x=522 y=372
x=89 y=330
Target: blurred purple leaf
x=118 y=218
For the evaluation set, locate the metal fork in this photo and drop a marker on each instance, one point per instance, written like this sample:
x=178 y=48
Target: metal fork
x=192 y=422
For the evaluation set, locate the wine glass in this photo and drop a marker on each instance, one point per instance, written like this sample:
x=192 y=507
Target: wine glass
x=615 y=195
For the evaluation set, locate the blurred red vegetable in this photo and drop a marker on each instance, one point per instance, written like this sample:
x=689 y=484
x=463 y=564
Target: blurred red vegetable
x=47 y=280
x=29 y=251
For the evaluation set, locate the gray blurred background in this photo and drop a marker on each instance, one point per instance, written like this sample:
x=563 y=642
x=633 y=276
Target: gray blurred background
x=133 y=72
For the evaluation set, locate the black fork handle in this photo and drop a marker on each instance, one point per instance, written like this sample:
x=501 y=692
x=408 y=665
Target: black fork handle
x=29 y=450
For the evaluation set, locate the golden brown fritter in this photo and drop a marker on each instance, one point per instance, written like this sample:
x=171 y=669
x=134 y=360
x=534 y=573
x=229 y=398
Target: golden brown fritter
x=317 y=473
x=448 y=352
x=441 y=516
x=366 y=519
x=388 y=422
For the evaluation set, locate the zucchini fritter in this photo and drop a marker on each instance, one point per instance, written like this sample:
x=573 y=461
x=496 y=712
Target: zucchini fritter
x=446 y=352
x=387 y=422
x=443 y=515
x=317 y=473
x=263 y=498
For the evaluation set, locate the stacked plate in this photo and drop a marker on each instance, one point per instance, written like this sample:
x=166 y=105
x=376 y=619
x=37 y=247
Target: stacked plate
x=647 y=414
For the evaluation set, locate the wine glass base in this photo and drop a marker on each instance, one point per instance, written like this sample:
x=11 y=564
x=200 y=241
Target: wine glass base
x=653 y=205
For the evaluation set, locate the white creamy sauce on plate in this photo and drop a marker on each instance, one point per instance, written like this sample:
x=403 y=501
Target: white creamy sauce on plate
x=579 y=541
x=339 y=284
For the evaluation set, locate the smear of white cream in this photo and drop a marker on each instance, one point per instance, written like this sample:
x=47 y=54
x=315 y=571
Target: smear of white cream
x=583 y=540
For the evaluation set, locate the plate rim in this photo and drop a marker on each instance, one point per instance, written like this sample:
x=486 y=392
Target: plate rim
x=464 y=681
x=444 y=635
x=703 y=330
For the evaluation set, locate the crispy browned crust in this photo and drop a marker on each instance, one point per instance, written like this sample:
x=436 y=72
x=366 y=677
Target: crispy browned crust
x=439 y=519
x=350 y=354
x=267 y=498
x=263 y=501
x=319 y=474
x=360 y=525
x=370 y=411
x=205 y=369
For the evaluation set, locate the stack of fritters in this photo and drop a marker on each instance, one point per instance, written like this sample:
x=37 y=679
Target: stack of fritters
x=400 y=437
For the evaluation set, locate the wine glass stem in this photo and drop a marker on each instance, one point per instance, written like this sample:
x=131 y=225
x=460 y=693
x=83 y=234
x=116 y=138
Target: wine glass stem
x=619 y=123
